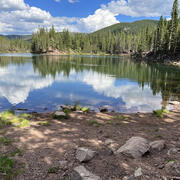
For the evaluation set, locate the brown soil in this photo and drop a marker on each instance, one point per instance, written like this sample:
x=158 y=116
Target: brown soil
x=44 y=146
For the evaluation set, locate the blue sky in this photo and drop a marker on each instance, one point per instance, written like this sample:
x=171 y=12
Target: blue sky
x=25 y=16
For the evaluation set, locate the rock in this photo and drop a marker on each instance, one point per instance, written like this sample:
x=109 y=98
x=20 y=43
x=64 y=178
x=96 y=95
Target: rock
x=172 y=168
x=157 y=145
x=173 y=151
x=135 y=147
x=68 y=107
x=111 y=144
x=174 y=102
x=104 y=109
x=84 y=154
x=63 y=165
x=81 y=173
x=138 y=172
x=60 y=114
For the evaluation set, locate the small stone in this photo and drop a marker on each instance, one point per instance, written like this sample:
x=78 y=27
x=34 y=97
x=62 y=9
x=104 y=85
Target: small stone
x=84 y=154
x=173 y=151
x=60 y=113
x=103 y=109
x=135 y=147
x=157 y=145
x=172 y=168
x=63 y=165
x=81 y=173
x=138 y=172
x=111 y=144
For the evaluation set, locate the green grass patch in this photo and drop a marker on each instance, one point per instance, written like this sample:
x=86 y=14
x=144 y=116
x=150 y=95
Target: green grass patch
x=9 y=118
x=6 y=165
x=44 y=123
x=53 y=170
x=160 y=112
x=94 y=123
x=121 y=117
x=16 y=152
x=5 y=140
x=85 y=109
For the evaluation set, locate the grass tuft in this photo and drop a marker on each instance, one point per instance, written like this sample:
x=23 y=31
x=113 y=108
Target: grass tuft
x=6 y=165
x=4 y=140
x=160 y=112
x=94 y=123
x=44 y=123
x=53 y=170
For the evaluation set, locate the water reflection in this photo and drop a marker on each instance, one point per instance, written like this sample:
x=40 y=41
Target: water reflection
x=47 y=81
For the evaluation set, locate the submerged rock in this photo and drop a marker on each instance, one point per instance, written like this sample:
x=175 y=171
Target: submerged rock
x=81 y=173
x=84 y=154
x=135 y=147
x=157 y=145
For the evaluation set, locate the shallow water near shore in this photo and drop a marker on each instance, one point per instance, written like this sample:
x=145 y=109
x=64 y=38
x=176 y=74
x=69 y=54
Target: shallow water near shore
x=42 y=83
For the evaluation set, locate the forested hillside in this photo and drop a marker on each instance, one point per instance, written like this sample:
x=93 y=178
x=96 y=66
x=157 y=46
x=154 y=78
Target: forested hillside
x=133 y=27
x=14 y=44
x=139 y=37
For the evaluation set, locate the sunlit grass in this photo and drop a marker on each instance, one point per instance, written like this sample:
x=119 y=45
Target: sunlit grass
x=44 y=123
x=9 y=118
x=160 y=112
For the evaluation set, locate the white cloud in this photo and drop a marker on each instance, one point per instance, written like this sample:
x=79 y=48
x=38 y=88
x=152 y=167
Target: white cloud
x=6 y=5
x=138 y=8
x=17 y=17
x=100 y=19
x=73 y=1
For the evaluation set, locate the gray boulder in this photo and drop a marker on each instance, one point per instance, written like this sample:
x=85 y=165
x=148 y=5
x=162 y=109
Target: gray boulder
x=135 y=147
x=84 y=154
x=81 y=173
x=157 y=145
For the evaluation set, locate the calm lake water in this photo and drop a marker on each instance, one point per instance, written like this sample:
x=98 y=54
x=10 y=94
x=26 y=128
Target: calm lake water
x=42 y=83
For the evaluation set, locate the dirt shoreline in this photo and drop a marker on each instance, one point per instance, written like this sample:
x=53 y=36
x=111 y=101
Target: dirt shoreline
x=47 y=146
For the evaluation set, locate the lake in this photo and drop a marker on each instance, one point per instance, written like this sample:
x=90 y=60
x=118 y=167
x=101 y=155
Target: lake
x=42 y=83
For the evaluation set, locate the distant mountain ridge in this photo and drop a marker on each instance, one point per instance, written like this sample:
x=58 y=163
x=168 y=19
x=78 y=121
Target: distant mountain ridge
x=132 y=27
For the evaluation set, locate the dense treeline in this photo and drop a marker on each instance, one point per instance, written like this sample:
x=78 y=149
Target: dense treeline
x=102 y=42
x=167 y=34
x=14 y=44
